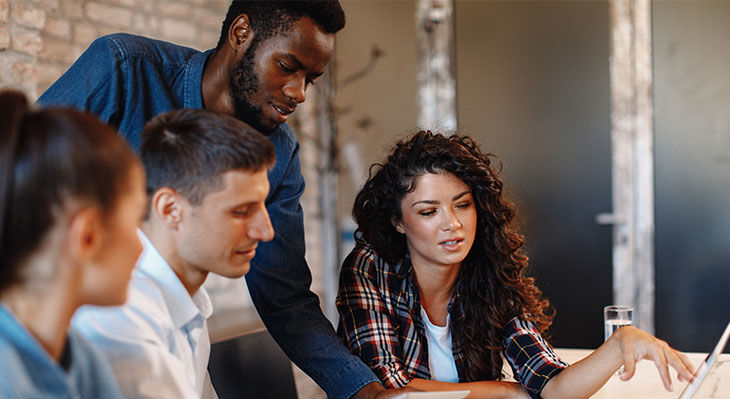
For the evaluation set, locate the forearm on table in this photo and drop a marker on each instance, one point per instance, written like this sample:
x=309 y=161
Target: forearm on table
x=477 y=390
x=584 y=378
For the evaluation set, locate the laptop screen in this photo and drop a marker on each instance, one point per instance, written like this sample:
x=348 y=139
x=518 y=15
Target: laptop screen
x=711 y=362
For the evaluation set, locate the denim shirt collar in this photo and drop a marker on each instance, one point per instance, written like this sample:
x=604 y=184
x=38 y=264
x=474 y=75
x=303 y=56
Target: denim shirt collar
x=193 y=91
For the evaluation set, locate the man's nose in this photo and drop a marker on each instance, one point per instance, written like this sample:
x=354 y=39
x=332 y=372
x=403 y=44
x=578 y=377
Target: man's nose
x=295 y=90
x=261 y=228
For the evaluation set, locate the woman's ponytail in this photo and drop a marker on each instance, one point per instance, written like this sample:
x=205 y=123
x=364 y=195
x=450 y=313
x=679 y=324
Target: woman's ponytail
x=13 y=106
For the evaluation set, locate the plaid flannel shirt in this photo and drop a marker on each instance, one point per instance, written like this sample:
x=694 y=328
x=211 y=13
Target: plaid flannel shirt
x=381 y=323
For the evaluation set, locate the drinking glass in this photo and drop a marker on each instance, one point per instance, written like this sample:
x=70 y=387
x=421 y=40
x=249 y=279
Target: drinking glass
x=615 y=317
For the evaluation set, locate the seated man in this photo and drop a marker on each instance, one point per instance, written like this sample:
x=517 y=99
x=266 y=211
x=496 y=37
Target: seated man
x=207 y=183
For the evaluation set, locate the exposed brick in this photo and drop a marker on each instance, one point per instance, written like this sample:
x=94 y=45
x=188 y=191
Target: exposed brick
x=47 y=73
x=72 y=8
x=208 y=39
x=145 y=24
x=127 y=3
x=84 y=33
x=103 y=30
x=57 y=50
x=76 y=52
x=174 y=9
x=109 y=15
x=50 y=5
x=178 y=31
x=4 y=38
x=46 y=36
x=208 y=18
x=217 y=4
x=20 y=74
x=60 y=28
x=4 y=11
x=28 y=15
x=26 y=41
x=148 y=7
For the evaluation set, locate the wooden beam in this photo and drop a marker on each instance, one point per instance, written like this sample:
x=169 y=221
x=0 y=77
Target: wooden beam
x=317 y=136
x=437 y=87
x=632 y=144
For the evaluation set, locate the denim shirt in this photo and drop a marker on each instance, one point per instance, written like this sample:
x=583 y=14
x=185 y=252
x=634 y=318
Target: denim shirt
x=27 y=371
x=126 y=80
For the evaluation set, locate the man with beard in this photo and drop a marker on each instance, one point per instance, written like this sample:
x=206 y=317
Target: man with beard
x=269 y=52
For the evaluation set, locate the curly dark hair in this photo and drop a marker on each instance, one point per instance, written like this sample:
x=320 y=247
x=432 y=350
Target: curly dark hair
x=491 y=287
x=269 y=17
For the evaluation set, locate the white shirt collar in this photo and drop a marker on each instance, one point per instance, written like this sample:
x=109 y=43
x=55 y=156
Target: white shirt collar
x=183 y=309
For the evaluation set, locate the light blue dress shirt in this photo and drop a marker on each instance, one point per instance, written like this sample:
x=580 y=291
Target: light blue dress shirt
x=157 y=343
x=27 y=371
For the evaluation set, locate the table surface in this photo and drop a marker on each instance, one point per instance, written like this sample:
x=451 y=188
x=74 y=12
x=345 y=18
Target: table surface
x=646 y=383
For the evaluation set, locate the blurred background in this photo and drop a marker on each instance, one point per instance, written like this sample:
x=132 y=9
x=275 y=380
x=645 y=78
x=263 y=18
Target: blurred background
x=532 y=82
x=533 y=85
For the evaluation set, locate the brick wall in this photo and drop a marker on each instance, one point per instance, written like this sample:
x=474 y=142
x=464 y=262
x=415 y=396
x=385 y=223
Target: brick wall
x=40 y=39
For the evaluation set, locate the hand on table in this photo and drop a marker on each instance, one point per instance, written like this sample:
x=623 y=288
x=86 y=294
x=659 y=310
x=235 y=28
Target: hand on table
x=375 y=390
x=636 y=344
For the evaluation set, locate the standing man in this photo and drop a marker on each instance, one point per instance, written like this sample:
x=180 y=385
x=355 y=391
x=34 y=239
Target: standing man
x=269 y=52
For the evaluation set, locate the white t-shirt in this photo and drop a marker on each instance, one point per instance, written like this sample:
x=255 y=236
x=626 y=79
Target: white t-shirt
x=440 y=357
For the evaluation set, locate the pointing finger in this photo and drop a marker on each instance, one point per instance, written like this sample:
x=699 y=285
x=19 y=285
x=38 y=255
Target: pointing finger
x=680 y=362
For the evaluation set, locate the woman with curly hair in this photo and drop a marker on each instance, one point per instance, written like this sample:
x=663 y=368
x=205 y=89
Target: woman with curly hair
x=435 y=291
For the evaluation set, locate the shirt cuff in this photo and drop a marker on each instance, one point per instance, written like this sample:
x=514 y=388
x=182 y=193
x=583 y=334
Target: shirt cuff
x=349 y=381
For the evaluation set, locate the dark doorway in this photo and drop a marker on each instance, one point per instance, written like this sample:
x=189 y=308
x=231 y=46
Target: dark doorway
x=692 y=146
x=533 y=87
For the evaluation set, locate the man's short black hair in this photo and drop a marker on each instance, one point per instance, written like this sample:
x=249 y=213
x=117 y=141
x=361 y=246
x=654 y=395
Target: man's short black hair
x=189 y=149
x=269 y=18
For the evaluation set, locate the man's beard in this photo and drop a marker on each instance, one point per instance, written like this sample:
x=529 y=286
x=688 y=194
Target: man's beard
x=244 y=82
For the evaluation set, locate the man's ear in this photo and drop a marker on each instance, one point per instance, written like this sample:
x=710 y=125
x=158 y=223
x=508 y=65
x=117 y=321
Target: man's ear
x=84 y=233
x=167 y=207
x=240 y=34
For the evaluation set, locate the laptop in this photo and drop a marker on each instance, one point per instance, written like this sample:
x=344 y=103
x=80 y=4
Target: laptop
x=706 y=365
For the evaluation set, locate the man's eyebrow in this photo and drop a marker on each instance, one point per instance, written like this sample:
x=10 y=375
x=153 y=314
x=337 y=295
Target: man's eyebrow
x=243 y=204
x=299 y=65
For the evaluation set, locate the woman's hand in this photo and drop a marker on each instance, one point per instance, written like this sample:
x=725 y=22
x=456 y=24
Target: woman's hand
x=477 y=390
x=375 y=390
x=635 y=345
x=626 y=347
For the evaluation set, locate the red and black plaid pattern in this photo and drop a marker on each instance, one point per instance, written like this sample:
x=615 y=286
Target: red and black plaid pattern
x=380 y=320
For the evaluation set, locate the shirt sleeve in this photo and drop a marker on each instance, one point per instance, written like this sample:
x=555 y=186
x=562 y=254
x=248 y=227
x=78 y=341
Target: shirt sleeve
x=365 y=321
x=92 y=83
x=279 y=282
x=532 y=359
x=90 y=371
x=139 y=357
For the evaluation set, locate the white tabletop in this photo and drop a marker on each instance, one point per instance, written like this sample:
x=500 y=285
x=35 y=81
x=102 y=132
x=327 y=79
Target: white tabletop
x=646 y=383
